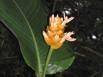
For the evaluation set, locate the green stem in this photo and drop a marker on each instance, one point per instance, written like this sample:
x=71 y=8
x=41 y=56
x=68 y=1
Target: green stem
x=38 y=75
x=47 y=61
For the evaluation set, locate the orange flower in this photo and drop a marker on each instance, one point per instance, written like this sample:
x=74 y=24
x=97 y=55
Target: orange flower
x=54 y=35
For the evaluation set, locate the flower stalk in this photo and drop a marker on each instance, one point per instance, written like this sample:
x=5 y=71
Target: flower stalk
x=47 y=61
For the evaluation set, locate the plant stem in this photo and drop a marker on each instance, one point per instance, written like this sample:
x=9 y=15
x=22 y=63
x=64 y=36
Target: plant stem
x=47 y=61
x=38 y=75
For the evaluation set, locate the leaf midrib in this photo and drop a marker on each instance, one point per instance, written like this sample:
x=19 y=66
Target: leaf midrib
x=33 y=37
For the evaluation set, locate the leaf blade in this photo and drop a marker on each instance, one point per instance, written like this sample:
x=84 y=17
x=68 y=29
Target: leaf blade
x=36 y=16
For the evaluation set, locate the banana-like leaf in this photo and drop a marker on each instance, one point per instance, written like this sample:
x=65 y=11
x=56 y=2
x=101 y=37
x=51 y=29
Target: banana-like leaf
x=26 y=19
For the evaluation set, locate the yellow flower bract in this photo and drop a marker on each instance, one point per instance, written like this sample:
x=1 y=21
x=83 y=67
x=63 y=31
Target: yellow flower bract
x=54 y=35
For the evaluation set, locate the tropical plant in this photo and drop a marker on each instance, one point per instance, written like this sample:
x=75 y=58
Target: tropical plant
x=26 y=20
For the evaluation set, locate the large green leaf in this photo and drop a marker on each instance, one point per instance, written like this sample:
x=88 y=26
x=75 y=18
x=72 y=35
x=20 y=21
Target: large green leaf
x=26 y=19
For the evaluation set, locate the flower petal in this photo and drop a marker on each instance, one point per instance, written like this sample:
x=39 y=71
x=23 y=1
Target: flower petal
x=45 y=35
x=68 y=37
x=67 y=20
